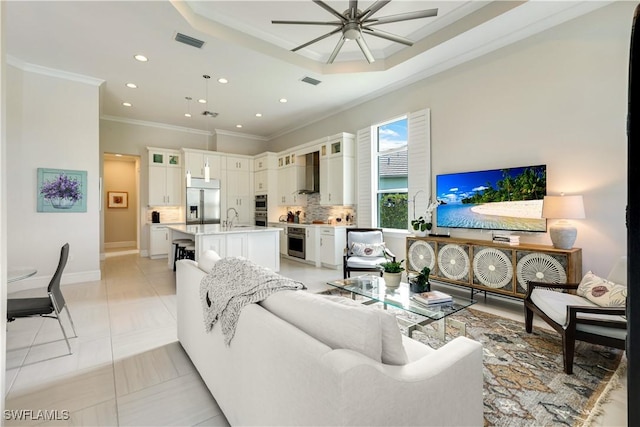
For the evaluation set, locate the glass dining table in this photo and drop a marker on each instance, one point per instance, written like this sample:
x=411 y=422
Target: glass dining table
x=14 y=275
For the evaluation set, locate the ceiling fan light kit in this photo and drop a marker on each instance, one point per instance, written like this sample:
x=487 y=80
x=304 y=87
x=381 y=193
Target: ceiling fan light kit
x=354 y=22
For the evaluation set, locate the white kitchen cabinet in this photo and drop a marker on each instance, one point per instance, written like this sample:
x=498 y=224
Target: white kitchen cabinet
x=337 y=172
x=159 y=244
x=332 y=244
x=195 y=160
x=237 y=245
x=165 y=177
x=260 y=247
x=312 y=236
x=238 y=189
x=290 y=180
x=261 y=181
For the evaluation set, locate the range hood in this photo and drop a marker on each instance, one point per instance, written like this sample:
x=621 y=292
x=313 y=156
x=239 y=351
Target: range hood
x=311 y=182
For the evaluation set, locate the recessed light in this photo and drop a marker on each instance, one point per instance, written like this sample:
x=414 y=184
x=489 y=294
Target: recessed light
x=258 y=114
x=118 y=155
x=126 y=104
x=238 y=126
x=283 y=100
x=187 y=114
x=223 y=80
x=141 y=58
x=202 y=101
x=131 y=85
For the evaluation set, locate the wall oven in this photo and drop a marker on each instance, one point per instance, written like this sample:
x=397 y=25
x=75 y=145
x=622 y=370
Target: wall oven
x=261 y=219
x=296 y=242
x=261 y=202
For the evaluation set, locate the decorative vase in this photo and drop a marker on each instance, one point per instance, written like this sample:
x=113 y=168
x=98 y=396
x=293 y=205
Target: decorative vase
x=417 y=288
x=62 y=203
x=419 y=233
x=392 y=280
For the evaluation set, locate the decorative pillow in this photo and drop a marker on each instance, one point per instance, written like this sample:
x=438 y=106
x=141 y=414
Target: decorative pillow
x=602 y=292
x=393 y=352
x=367 y=249
x=336 y=325
x=207 y=260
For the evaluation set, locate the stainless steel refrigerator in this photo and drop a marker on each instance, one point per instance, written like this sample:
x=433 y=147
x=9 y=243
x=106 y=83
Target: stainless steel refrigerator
x=203 y=202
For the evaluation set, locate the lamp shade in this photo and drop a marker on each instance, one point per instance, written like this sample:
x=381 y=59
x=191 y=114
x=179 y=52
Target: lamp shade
x=563 y=207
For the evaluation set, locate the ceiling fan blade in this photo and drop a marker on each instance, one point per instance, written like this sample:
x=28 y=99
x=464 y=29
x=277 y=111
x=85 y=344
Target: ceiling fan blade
x=401 y=17
x=387 y=36
x=373 y=8
x=336 y=50
x=317 y=39
x=353 y=9
x=330 y=9
x=308 y=22
x=365 y=50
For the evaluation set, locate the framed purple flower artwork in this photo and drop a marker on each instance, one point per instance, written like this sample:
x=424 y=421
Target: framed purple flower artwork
x=61 y=190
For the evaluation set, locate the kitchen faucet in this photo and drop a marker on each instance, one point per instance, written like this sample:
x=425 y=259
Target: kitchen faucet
x=230 y=222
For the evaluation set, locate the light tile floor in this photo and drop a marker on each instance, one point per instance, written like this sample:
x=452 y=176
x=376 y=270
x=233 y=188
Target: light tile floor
x=127 y=367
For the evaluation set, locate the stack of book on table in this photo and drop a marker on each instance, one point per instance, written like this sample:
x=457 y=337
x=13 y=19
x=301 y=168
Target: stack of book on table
x=432 y=297
x=508 y=239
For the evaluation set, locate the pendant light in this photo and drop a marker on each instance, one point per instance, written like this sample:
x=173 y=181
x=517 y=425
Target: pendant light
x=188 y=113
x=188 y=178
x=207 y=171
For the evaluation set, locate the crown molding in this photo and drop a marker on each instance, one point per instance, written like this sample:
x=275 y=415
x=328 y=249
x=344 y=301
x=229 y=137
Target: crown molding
x=154 y=124
x=240 y=135
x=52 y=72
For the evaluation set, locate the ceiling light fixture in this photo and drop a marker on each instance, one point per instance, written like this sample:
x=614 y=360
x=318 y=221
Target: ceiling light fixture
x=188 y=113
x=207 y=113
x=202 y=101
x=223 y=80
x=238 y=126
x=258 y=114
x=207 y=170
x=141 y=58
x=127 y=104
x=283 y=100
x=131 y=85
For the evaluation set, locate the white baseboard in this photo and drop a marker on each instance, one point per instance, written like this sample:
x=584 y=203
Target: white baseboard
x=112 y=245
x=41 y=282
x=144 y=253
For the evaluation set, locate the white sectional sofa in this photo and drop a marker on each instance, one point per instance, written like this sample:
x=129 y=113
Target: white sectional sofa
x=294 y=371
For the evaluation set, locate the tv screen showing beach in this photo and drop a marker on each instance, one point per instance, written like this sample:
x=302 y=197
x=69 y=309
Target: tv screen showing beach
x=498 y=199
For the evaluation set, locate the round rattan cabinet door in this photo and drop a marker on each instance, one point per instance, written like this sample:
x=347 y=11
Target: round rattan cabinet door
x=421 y=255
x=453 y=262
x=492 y=268
x=537 y=267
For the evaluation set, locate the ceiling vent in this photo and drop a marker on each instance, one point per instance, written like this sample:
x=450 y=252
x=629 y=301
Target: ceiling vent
x=189 y=40
x=311 y=81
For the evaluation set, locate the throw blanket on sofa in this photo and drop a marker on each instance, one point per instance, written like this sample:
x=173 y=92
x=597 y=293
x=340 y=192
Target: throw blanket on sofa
x=233 y=283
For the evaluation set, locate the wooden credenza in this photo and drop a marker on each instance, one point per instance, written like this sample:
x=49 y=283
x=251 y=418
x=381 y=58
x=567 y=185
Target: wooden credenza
x=492 y=267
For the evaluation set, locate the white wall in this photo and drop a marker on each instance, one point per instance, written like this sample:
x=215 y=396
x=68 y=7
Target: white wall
x=235 y=143
x=51 y=123
x=3 y=215
x=558 y=98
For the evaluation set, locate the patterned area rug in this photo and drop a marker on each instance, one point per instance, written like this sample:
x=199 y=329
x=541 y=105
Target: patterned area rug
x=524 y=381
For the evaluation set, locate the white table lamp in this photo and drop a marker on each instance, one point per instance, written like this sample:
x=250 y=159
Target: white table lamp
x=563 y=233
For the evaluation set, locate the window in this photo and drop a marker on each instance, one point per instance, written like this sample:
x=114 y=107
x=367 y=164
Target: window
x=392 y=183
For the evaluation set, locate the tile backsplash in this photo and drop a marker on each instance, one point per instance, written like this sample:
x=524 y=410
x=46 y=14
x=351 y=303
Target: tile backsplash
x=168 y=214
x=314 y=211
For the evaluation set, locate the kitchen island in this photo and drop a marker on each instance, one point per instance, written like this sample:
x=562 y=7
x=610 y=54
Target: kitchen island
x=259 y=244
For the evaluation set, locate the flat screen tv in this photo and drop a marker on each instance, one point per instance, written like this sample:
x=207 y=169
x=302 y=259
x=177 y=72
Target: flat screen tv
x=498 y=199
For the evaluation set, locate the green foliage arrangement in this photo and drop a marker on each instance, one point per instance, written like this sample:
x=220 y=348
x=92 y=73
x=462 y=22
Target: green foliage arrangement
x=392 y=266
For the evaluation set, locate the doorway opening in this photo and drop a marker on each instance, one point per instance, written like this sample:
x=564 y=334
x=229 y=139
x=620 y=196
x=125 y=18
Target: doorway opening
x=121 y=204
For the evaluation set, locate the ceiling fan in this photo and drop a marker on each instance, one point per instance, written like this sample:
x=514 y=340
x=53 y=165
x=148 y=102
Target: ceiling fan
x=354 y=23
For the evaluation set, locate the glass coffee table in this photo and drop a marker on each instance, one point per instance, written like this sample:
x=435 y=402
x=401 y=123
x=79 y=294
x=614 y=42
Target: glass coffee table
x=374 y=290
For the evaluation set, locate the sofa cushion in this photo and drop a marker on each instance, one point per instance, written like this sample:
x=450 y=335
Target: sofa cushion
x=393 y=351
x=207 y=260
x=365 y=261
x=336 y=325
x=602 y=292
x=367 y=249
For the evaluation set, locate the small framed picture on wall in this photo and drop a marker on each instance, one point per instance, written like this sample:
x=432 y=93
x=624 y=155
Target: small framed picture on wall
x=117 y=199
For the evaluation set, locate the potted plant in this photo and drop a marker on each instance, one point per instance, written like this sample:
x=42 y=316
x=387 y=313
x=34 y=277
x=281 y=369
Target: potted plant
x=420 y=282
x=423 y=225
x=392 y=273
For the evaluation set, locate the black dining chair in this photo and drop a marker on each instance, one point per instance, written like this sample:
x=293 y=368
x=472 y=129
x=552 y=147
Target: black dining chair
x=49 y=306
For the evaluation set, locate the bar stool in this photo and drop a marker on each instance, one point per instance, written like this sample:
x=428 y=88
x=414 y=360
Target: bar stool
x=190 y=252
x=179 y=245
